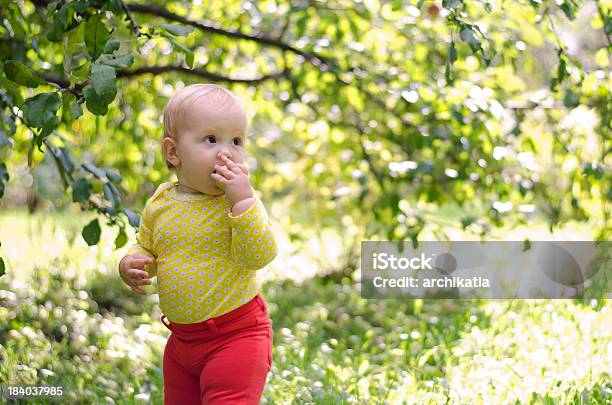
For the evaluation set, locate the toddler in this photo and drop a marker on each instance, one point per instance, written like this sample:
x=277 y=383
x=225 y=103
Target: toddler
x=203 y=237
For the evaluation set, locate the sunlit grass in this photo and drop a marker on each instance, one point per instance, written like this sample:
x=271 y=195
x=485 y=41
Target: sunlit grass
x=66 y=318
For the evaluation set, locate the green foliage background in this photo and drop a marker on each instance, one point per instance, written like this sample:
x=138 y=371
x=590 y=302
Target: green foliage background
x=368 y=118
x=66 y=318
x=369 y=114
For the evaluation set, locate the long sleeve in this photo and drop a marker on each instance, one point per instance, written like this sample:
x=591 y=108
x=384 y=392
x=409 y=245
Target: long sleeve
x=252 y=245
x=144 y=241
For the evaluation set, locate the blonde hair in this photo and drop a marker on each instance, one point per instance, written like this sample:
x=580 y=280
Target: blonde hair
x=174 y=112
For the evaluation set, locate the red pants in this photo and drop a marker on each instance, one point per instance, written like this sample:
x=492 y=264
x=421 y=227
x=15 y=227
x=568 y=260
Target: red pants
x=224 y=360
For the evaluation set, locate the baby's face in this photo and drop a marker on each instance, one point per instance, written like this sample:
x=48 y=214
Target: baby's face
x=206 y=134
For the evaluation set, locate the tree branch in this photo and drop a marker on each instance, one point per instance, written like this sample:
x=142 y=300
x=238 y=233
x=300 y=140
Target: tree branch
x=196 y=72
x=553 y=28
x=377 y=175
x=135 y=25
x=319 y=61
x=65 y=84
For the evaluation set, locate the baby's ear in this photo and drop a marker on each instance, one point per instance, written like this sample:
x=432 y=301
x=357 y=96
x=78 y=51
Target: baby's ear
x=169 y=149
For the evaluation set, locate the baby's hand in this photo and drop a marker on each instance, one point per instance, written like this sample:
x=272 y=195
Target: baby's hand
x=235 y=177
x=132 y=271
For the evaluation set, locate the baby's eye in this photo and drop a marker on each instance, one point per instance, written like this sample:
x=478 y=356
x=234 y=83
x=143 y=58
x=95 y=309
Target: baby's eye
x=237 y=141
x=210 y=138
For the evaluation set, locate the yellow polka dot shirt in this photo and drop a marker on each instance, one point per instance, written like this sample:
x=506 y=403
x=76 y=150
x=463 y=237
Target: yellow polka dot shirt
x=205 y=258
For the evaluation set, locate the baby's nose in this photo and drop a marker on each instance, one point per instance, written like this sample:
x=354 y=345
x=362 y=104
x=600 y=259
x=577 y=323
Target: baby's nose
x=226 y=153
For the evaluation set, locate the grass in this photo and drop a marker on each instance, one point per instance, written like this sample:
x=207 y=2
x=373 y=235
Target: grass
x=66 y=318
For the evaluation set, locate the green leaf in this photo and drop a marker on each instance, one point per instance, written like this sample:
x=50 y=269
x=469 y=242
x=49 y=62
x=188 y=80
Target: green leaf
x=123 y=61
x=485 y=55
x=526 y=244
x=179 y=30
x=452 y=52
x=81 y=190
x=102 y=90
x=575 y=202
x=113 y=175
x=133 y=218
x=61 y=166
x=189 y=55
x=41 y=108
x=82 y=71
x=4 y=141
x=15 y=16
x=469 y=36
x=96 y=35
x=608 y=25
x=71 y=109
x=2 y=267
x=61 y=20
x=21 y=74
x=103 y=78
x=451 y=3
x=11 y=124
x=96 y=171
x=93 y=102
x=561 y=73
x=448 y=74
x=31 y=154
x=110 y=195
x=486 y=5
x=76 y=111
x=467 y=221
x=571 y=99
x=535 y=3
x=91 y=232
x=111 y=46
x=79 y=6
x=4 y=178
x=121 y=239
x=568 y=10
x=46 y=130
x=114 y=6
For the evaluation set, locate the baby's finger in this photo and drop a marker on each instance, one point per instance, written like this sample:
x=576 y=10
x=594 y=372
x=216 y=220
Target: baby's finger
x=243 y=168
x=143 y=281
x=140 y=263
x=218 y=177
x=137 y=274
x=233 y=167
x=224 y=171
